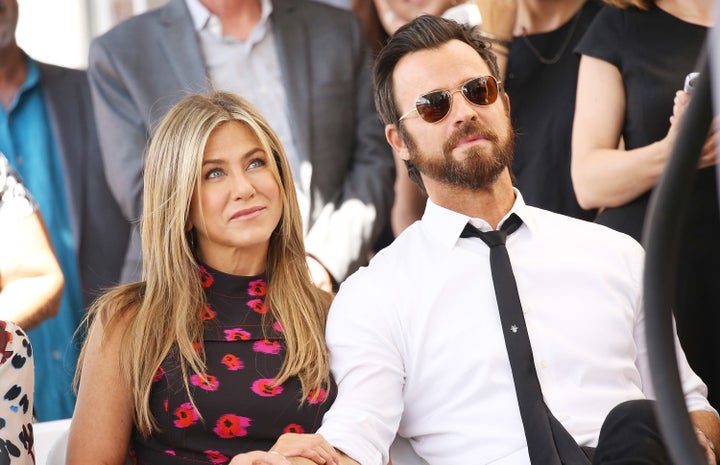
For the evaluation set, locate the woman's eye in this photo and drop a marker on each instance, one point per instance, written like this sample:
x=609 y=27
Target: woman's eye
x=256 y=163
x=213 y=173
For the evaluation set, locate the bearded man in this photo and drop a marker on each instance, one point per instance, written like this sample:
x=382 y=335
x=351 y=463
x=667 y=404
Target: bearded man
x=490 y=331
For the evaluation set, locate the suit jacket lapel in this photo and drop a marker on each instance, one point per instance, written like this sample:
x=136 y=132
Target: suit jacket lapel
x=182 y=48
x=292 y=47
x=60 y=93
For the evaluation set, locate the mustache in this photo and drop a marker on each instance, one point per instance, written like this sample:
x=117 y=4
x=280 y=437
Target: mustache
x=469 y=129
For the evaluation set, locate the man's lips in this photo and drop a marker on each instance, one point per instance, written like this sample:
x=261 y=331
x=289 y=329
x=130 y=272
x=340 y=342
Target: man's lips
x=469 y=141
x=247 y=213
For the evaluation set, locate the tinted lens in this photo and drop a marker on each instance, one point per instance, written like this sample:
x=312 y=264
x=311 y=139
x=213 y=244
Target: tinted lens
x=481 y=91
x=433 y=106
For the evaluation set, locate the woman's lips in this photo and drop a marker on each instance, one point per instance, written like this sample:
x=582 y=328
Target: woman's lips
x=247 y=213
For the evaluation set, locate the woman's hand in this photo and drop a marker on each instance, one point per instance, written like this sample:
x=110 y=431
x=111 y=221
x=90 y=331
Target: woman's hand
x=708 y=156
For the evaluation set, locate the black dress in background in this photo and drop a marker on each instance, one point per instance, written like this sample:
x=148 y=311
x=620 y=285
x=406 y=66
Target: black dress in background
x=654 y=51
x=541 y=80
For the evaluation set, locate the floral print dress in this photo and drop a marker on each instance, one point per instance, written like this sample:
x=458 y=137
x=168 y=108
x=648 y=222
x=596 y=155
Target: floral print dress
x=238 y=407
x=16 y=400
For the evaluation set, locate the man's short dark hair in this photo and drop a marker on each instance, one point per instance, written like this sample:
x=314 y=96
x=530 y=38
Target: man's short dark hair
x=423 y=33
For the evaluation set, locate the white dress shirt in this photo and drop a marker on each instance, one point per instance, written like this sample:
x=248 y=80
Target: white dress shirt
x=416 y=345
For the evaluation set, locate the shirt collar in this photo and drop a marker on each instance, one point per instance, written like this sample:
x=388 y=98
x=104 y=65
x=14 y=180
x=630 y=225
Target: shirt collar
x=33 y=73
x=203 y=19
x=446 y=225
x=32 y=80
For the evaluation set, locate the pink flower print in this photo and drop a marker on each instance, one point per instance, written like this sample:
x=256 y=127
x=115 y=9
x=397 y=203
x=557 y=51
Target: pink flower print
x=171 y=452
x=294 y=428
x=206 y=278
x=236 y=334
x=215 y=456
x=265 y=387
x=231 y=426
x=185 y=416
x=257 y=288
x=205 y=381
x=158 y=375
x=267 y=347
x=317 y=396
x=208 y=313
x=258 y=306
x=232 y=362
x=278 y=327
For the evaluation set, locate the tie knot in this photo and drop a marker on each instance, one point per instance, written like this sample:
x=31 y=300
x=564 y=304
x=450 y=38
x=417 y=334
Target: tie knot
x=494 y=238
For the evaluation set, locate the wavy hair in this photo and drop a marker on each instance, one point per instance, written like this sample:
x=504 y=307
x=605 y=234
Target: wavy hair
x=165 y=307
x=624 y=4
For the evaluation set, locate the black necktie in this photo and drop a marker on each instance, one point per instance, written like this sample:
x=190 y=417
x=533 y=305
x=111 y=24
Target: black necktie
x=548 y=441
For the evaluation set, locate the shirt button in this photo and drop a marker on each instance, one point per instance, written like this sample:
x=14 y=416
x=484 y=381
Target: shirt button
x=56 y=355
x=543 y=364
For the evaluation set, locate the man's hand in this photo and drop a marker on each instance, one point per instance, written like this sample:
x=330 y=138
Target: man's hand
x=259 y=457
x=707 y=429
x=291 y=448
x=707 y=446
x=310 y=446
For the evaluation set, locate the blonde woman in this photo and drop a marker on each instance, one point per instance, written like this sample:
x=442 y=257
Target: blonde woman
x=219 y=351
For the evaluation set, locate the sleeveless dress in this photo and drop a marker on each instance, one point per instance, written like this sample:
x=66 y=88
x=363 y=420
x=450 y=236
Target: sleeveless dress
x=238 y=408
x=653 y=51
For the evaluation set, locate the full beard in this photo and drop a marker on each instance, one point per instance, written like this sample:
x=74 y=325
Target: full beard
x=481 y=166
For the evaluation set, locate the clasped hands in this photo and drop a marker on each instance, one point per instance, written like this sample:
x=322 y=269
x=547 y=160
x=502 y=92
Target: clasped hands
x=289 y=446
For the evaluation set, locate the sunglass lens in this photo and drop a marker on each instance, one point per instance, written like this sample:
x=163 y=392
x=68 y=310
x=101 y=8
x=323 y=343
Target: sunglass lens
x=481 y=91
x=433 y=107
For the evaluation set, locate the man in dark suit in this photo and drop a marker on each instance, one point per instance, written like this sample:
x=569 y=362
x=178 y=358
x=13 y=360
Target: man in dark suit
x=47 y=131
x=304 y=65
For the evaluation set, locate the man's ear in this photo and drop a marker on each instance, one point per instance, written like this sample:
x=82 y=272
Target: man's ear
x=507 y=102
x=392 y=134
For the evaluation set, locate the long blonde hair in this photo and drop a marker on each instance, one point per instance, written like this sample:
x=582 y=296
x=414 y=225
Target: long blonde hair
x=624 y=4
x=166 y=305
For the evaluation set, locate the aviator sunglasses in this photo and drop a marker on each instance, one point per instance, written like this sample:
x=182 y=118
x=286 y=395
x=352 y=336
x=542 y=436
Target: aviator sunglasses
x=434 y=106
